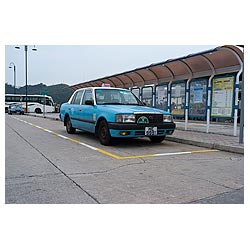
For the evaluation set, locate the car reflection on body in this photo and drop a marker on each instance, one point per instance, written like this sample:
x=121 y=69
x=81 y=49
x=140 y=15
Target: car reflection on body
x=114 y=113
x=15 y=109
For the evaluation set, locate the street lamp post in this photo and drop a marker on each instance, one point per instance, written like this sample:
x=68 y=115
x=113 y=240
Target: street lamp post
x=14 y=67
x=26 y=72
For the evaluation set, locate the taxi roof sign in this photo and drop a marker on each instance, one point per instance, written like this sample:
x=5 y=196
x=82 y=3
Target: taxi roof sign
x=106 y=85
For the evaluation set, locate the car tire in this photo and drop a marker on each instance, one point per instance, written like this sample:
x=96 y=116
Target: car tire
x=38 y=110
x=69 y=128
x=103 y=134
x=157 y=139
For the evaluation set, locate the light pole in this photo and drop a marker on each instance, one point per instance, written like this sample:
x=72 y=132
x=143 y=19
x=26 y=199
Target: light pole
x=14 y=67
x=26 y=72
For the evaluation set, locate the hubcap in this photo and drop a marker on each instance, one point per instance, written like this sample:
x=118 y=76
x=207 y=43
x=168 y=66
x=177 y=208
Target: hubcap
x=103 y=132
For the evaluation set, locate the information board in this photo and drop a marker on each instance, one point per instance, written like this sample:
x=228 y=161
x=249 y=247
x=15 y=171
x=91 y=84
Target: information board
x=198 y=97
x=222 y=97
x=178 y=99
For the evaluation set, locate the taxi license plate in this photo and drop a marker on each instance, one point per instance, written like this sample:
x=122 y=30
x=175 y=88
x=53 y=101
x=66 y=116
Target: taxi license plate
x=150 y=131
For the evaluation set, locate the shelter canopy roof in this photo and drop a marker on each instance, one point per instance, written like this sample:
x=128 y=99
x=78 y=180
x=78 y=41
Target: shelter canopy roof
x=219 y=60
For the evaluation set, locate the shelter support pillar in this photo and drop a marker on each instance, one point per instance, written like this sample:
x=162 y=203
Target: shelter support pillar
x=187 y=92
x=236 y=101
x=186 y=104
x=209 y=92
x=209 y=95
x=169 y=96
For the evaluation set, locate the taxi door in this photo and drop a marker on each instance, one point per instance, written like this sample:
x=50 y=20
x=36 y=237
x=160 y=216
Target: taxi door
x=86 y=112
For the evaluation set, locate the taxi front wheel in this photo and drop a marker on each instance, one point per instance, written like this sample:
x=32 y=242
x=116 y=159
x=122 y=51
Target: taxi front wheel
x=103 y=133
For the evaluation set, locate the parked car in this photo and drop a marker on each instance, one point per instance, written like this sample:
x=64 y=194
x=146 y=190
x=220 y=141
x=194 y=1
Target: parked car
x=114 y=113
x=15 y=108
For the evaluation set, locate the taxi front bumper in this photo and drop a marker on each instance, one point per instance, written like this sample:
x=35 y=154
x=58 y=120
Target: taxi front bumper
x=138 y=130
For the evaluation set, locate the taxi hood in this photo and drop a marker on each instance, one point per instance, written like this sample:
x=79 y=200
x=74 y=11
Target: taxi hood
x=131 y=109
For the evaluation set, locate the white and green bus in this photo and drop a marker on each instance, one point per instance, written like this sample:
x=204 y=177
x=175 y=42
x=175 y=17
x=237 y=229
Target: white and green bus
x=35 y=103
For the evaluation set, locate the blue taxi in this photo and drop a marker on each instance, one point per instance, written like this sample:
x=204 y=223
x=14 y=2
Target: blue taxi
x=114 y=112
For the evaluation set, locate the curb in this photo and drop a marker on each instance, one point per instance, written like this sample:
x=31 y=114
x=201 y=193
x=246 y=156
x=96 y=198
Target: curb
x=46 y=117
x=197 y=131
x=226 y=148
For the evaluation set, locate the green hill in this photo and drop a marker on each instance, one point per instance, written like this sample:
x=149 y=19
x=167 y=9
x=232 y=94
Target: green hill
x=59 y=92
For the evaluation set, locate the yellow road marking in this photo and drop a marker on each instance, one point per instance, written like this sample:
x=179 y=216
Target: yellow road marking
x=114 y=155
x=205 y=151
x=109 y=154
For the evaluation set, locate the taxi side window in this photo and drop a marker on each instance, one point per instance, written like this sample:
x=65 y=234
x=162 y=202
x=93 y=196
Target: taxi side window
x=77 y=98
x=88 y=96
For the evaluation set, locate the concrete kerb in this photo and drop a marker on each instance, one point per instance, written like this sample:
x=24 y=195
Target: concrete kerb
x=41 y=116
x=217 y=146
x=226 y=148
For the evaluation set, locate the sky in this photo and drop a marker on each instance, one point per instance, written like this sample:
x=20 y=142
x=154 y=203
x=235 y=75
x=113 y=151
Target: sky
x=72 y=64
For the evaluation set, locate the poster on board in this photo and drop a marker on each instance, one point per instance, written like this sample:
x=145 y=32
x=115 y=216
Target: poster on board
x=222 y=97
x=198 y=94
x=198 y=97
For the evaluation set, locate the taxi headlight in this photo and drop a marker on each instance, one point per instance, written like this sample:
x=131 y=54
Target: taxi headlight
x=167 y=118
x=125 y=118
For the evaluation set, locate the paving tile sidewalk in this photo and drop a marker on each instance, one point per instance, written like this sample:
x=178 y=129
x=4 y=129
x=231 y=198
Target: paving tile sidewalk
x=213 y=141
x=220 y=138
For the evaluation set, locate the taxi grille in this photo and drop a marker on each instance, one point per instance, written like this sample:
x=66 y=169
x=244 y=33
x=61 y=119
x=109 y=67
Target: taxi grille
x=153 y=118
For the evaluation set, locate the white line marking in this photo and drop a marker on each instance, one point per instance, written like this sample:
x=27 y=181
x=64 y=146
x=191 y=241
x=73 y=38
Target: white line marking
x=88 y=146
x=177 y=153
x=47 y=130
x=62 y=136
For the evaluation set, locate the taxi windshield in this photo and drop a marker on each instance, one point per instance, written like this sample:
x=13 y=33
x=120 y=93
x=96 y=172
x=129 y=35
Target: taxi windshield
x=116 y=96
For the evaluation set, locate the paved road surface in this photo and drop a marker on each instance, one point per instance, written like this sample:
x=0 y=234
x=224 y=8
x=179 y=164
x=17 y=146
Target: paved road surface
x=46 y=165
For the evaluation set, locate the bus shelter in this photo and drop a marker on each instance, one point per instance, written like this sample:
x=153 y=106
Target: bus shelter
x=203 y=85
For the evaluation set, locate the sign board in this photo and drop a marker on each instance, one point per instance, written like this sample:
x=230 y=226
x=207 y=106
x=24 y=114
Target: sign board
x=178 y=98
x=106 y=85
x=222 y=97
x=198 y=95
x=44 y=92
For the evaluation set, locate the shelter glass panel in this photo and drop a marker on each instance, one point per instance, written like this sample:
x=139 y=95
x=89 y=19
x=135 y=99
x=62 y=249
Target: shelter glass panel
x=198 y=97
x=161 y=96
x=136 y=91
x=147 y=95
x=178 y=99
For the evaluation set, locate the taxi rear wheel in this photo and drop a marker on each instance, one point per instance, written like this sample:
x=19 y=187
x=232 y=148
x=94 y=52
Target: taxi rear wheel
x=103 y=133
x=157 y=139
x=69 y=128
